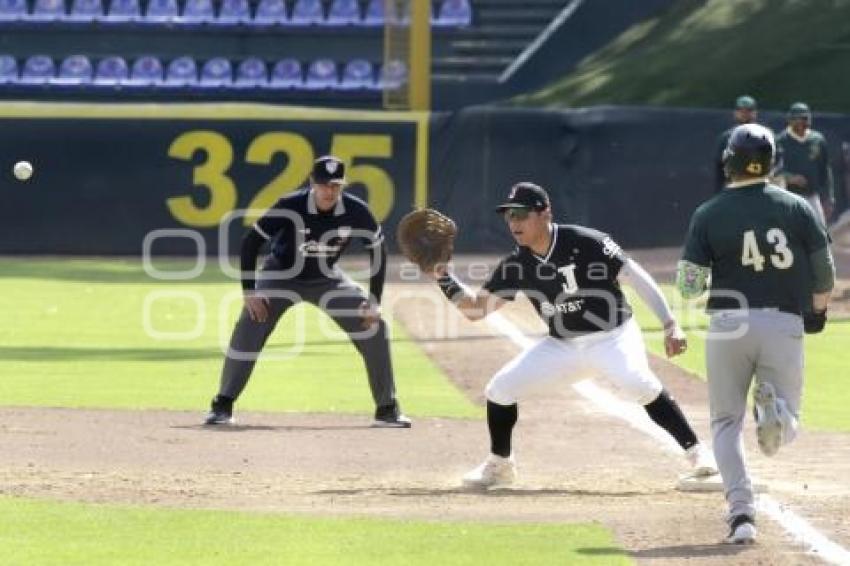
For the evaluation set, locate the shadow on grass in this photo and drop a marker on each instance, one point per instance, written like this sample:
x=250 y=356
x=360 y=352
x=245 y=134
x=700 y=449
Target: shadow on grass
x=689 y=551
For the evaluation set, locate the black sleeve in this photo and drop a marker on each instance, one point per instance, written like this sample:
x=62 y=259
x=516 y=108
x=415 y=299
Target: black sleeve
x=251 y=243
x=506 y=279
x=376 y=282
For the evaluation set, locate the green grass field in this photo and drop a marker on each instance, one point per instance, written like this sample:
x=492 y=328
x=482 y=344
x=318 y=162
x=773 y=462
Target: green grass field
x=825 y=396
x=74 y=336
x=704 y=54
x=43 y=532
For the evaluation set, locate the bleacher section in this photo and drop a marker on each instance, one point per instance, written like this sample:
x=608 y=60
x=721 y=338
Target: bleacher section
x=293 y=51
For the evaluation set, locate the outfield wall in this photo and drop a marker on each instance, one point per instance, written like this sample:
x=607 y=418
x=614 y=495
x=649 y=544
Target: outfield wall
x=108 y=176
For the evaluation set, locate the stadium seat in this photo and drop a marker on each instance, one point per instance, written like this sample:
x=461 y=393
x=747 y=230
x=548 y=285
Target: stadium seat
x=393 y=75
x=8 y=69
x=182 y=71
x=374 y=13
x=251 y=73
x=307 y=12
x=123 y=11
x=74 y=70
x=344 y=12
x=38 y=69
x=197 y=12
x=454 y=13
x=270 y=12
x=234 y=12
x=162 y=11
x=287 y=73
x=216 y=73
x=321 y=74
x=111 y=71
x=85 y=11
x=146 y=71
x=13 y=10
x=48 y=10
x=358 y=74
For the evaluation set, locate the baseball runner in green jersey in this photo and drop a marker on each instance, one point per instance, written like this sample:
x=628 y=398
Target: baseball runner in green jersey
x=771 y=273
x=745 y=112
x=804 y=157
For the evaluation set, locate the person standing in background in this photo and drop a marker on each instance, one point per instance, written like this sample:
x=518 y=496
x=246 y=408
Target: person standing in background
x=746 y=112
x=804 y=162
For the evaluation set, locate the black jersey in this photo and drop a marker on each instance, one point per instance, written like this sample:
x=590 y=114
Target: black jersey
x=310 y=240
x=574 y=287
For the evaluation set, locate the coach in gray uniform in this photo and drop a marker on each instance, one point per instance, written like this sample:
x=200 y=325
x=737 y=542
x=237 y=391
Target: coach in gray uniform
x=308 y=230
x=772 y=274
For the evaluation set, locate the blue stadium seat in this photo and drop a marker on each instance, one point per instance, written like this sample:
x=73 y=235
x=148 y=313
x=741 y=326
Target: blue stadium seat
x=393 y=75
x=123 y=11
x=307 y=12
x=344 y=12
x=38 y=69
x=216 y=73
x=111 y=71
x=234 y=12
x=358 y=74
x=321 y=74
x=287 y=73
x=48 y=10
x=8 y=69
x=162 y=11
x=197 y=12
x=251 y=73
x=74 y=70
x=86 y=11
x=146 y=71
x=270 y=13
x=181 y=72
x=454 y=13
x=13 y=10
x=374 y=13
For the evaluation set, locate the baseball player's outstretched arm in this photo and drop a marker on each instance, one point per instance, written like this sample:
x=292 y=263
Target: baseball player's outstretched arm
x=473 y=305
x=675 y=341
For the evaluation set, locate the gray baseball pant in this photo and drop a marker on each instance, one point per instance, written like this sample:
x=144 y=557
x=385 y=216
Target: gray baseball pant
x=340 y=299
x=739 y=345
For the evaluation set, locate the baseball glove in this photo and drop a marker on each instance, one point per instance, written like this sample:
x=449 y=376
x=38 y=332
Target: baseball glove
x=426 y=238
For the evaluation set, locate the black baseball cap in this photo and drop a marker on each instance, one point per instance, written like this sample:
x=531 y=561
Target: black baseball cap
x=799 y=110
x=525 y=195
x=328 y=170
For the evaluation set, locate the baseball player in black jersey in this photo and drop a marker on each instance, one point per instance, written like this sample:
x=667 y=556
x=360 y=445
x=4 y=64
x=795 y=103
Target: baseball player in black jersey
x=572 y=275
x=308 y=230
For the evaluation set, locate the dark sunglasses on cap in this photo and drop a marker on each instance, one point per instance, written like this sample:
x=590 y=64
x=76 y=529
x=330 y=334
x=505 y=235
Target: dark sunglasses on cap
x=516 y=213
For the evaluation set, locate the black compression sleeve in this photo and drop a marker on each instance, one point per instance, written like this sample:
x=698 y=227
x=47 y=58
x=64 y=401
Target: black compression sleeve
x=251 y=243
x=379 y=271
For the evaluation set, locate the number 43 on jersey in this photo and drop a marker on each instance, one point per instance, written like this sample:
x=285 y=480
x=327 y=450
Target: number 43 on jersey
x=781 y=258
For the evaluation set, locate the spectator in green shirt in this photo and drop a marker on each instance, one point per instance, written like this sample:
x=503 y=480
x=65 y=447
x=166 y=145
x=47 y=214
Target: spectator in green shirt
x=805 y=165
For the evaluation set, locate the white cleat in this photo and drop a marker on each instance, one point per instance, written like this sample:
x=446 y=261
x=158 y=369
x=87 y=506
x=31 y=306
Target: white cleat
x=495 y=471
x=702 y=461
x=742 y=530
x=768 y=420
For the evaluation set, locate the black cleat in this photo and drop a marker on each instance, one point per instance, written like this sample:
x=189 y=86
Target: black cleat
x=390 y=416
x=221 y=411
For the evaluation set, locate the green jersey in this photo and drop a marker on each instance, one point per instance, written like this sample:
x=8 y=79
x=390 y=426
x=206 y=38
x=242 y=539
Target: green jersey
x=807 y=156
x=757 y=239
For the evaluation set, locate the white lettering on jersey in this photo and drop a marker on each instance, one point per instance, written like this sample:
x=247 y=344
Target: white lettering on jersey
x=610 y=248
x=570 y=284
x=313 y=248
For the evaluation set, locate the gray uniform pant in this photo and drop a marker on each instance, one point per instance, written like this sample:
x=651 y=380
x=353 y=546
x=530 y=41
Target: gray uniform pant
x=739 y=345
x=340 y=299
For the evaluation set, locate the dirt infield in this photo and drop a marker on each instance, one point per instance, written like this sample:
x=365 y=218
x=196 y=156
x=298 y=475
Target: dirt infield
x=576 y=463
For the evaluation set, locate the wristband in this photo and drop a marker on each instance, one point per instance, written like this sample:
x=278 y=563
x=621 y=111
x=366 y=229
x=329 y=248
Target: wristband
x=450 y=286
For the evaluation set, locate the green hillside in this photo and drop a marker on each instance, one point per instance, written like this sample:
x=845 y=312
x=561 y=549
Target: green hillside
x=705 y=53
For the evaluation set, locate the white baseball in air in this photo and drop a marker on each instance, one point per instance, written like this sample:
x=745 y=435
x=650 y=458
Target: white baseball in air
x=22 y=170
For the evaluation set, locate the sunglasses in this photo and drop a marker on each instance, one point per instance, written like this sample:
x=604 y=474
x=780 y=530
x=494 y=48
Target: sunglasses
x=516 y=213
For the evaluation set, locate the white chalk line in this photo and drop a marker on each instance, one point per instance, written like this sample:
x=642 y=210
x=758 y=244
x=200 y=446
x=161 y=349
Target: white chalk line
x=796 y=526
